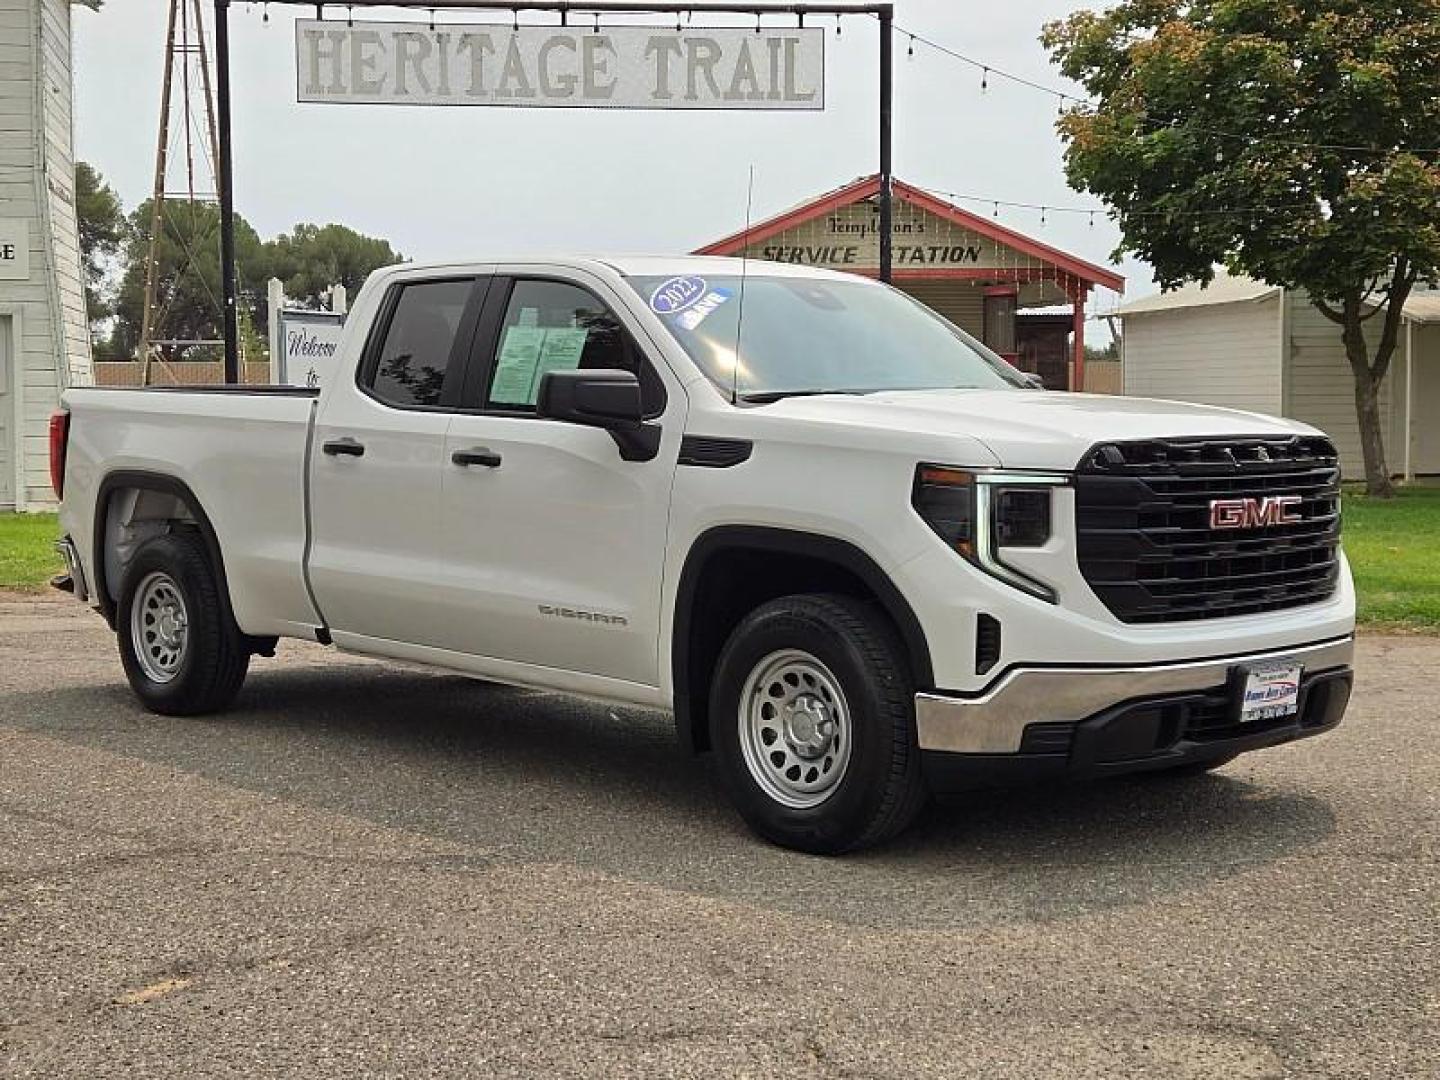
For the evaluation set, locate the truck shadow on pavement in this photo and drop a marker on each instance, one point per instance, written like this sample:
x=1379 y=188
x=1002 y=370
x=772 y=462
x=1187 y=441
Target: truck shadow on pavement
x=528 y=777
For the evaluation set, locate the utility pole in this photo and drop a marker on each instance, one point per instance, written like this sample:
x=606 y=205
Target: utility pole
x=179 y=211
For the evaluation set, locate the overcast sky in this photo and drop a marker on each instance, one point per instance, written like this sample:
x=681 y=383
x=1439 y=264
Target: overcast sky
x=441 y=182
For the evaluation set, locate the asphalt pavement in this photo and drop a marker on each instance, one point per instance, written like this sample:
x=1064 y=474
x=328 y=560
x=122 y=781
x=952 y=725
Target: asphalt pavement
x=371 y=870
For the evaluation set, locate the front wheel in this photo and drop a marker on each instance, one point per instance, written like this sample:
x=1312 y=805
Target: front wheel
x=180 y=647
x=812 y=717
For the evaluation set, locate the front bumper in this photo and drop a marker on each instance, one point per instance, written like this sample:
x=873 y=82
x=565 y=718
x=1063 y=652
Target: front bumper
x=1094 y=721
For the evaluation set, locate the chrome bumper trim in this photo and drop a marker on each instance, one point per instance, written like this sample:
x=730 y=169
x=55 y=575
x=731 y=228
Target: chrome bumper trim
x=995 y=722
x=66 y=548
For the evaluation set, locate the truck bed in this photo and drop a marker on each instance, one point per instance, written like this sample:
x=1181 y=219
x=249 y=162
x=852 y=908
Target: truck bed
x=241 y=454
x=239 y=389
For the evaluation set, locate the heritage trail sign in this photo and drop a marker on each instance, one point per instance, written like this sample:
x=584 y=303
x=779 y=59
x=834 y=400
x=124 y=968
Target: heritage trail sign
x=619 y=67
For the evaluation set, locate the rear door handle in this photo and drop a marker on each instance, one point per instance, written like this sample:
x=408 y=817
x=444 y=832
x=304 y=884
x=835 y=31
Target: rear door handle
x=477 y=455
x=346 y=447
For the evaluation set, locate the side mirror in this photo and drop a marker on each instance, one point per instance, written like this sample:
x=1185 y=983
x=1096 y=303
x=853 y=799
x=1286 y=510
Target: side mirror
x=602 y=398
x=596 y=398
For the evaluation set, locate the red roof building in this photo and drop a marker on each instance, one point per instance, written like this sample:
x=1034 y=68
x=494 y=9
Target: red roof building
x=974 y=271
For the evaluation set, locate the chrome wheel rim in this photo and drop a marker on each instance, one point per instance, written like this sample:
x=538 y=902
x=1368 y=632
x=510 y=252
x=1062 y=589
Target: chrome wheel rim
x=159 y=627
x=795 y=729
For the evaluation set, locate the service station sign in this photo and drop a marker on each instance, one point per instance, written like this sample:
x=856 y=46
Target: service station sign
x=618 y=67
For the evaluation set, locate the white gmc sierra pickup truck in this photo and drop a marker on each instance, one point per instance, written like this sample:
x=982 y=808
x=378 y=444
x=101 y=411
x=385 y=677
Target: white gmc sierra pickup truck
x=853 y=551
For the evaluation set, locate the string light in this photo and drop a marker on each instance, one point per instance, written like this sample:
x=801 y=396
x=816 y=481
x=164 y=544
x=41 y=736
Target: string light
x=1066 y=98
x=837 y=24
x=597 y=22
x=265 y=14
x=757 y=22
x=911 y=50
x=349 y=16
x=1046 y=209
x=432 y=20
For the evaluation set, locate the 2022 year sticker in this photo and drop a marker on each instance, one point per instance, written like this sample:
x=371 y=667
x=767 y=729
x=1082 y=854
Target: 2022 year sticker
x=675 y=295
x=686 y=301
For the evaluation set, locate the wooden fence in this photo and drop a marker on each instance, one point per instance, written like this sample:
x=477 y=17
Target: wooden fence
x=128 y=373
x=1103 y=377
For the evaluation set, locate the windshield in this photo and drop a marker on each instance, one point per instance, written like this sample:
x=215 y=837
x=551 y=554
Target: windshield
x=802 y=335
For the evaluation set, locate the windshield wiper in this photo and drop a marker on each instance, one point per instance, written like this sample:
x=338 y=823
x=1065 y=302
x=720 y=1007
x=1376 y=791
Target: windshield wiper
x=769 y=396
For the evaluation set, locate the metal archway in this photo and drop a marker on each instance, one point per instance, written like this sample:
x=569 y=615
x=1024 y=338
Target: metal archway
x=884 y=13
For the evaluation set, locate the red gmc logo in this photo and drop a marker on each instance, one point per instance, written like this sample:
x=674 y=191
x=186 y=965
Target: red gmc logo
x=1255 y=513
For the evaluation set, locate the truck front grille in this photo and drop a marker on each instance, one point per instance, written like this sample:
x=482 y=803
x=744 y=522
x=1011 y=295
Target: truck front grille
x=1146 y=543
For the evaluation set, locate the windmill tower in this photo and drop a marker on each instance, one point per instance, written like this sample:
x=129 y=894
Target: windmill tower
x=182 y=209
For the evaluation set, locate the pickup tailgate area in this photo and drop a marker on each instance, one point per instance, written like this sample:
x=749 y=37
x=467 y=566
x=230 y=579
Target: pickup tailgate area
x=239 y=454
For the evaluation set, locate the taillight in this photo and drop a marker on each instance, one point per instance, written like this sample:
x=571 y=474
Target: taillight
x=59 y=440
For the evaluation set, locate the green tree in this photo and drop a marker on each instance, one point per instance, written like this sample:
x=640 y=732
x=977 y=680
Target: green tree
x=311 y=258
x=187 y=292
x=101 y=222
x=1290 y=140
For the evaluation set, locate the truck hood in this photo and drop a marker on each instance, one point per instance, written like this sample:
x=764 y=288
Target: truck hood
x=1032 y=429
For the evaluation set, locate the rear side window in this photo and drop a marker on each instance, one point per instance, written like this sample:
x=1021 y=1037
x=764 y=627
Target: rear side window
x=419 y=341
x=556 y=326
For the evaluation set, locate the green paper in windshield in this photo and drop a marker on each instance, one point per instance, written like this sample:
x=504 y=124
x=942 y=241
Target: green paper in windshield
x=515 y=368
x=561 y=352
x=527 y=353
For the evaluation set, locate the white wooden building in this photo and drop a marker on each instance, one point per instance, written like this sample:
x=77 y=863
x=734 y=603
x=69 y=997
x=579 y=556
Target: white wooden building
x=1248 y=345
x=44 y=335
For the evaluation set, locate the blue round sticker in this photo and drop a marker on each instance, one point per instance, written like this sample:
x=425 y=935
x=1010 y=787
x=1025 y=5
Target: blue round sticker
x=677 y=294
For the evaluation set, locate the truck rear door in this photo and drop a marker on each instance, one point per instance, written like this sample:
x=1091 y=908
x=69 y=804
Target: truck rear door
x=375 y=466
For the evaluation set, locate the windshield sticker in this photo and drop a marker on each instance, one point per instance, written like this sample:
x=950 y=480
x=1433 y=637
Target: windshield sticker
x=677 y=294
x=527 y=353
x=699 y=311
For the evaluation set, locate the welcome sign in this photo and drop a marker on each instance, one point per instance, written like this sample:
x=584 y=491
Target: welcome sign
x=309 y=344
x=621 y=67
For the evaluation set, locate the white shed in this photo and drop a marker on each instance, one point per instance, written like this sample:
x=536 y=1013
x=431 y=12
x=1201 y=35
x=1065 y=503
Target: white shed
x=1248 y=345
x=44 y=334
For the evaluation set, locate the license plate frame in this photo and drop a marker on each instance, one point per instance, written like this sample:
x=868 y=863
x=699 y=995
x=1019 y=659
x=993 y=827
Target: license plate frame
x=1265 y=691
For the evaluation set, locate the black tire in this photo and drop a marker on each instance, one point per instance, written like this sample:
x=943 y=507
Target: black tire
x=214 y=657
x=881 y=789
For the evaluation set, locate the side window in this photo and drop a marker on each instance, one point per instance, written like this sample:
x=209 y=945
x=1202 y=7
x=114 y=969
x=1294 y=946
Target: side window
x=415 y=355
x=555 y=326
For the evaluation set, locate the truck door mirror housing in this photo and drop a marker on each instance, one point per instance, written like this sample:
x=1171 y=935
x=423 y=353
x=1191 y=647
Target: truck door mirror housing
x=603 y=398
x=595 y=397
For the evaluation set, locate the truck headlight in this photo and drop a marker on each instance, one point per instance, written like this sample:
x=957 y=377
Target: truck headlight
x=981 y=513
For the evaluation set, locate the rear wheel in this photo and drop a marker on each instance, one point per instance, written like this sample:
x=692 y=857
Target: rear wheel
x=812 y=716
x=180 y=647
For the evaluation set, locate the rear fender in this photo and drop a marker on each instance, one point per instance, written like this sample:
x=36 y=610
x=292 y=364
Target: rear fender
x=131 y=506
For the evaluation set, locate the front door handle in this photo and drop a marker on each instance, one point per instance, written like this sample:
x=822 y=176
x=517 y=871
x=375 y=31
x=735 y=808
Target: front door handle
x=477 y=455
x=346 y=447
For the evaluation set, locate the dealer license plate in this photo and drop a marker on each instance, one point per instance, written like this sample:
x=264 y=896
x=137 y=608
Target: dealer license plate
x=1270 y=691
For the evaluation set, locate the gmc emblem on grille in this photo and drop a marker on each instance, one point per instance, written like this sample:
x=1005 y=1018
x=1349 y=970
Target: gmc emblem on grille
x=1255 y=513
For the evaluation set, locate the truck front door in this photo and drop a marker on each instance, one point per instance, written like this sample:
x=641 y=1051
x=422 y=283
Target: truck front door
x=553 y=546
